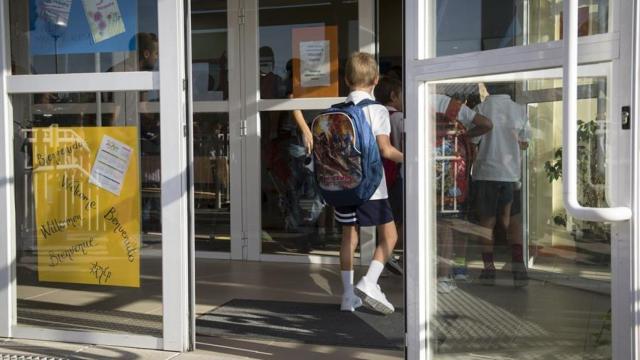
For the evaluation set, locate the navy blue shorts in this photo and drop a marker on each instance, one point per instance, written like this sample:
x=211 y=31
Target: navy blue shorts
x=371 y=213
x=492 y=196
x=396 y=200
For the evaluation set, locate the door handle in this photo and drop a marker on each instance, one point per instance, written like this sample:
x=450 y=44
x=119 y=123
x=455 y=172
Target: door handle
x=570 y=124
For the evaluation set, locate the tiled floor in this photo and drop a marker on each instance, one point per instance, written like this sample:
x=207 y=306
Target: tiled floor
x=546 y=320
x=207 y=348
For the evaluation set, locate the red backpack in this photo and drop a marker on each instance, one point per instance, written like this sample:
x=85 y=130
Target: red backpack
x=454 y=155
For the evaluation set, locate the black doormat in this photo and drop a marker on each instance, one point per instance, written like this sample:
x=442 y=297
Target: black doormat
x=311 y=323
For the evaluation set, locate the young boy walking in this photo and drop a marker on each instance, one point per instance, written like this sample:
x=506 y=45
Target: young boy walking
x=361 y=75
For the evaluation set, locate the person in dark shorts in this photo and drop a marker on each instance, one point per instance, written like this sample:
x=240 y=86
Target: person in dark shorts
x=515 y=238
x=496 y=174
x=361 y=74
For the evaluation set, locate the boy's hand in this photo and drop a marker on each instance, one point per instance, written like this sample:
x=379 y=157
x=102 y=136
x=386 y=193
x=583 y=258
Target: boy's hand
x=307 y=139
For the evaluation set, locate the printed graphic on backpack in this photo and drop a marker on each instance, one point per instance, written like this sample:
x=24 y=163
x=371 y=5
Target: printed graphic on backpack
x=338 y=164
x=347 y=163
x=454 y=155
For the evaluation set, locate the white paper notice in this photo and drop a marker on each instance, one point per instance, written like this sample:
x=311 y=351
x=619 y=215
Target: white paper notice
x=104 y=17
x=111 y=165
x=315 y=65
x=55 y=11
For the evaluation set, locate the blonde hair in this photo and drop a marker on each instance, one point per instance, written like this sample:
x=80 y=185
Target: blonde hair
x=361 y=70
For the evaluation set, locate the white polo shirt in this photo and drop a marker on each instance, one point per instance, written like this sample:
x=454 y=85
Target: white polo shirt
x=378 y=118
x=498 y=157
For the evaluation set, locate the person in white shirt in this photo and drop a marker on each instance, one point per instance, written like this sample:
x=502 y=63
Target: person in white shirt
x=474 y=126
x=496 y=173
x=361 y=75
x=389 y=93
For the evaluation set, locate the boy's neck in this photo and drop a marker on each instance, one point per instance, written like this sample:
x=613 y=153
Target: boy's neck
x=368 y=90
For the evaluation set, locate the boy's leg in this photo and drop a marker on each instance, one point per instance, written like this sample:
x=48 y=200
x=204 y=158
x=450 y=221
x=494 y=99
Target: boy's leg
x=377 y=213
x=518 y=268
x=487 y=241
x=392 y=264
x=445 y=242
x=396 y=200
x=349 y=242
x=515 y=239
x=348 y=247
x=387 y=238
x=486 y=208
x=444 y=231
x=368 y=287
x=460 y=256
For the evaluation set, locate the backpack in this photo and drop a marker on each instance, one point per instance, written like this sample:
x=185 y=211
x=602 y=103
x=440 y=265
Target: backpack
x=391 y=168
x=454 y=155
x=347 y=164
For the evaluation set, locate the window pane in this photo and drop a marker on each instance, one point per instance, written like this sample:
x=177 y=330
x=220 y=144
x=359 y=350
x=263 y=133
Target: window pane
x=59 y=37
x=477 y=25
x=211 y=172
x=516 y=276
x=209 y=56
x=303 y=47
x=87 y=200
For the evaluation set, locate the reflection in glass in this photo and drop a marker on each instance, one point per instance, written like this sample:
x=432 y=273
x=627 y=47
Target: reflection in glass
x=294 y=218
x=533 y=280
x=389 y=35
x=292 y=39
x=74 y=288
x=466 y=26
x=60 y=37
x=211 y=181
x=209 y=56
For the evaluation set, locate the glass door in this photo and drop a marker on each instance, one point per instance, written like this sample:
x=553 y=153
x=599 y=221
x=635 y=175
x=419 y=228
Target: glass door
x=286 y=219
x=211 y=143
x=94 y=236
x=523 y=221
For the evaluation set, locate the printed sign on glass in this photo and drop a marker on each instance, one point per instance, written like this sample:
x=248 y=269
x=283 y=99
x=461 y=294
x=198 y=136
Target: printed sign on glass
x=315 y=63
x=88 y=231
x=82 y=26
x=104 y=18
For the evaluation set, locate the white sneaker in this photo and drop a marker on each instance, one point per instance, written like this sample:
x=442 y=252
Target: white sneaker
x=373 y=297
x=446 y=285
x=350 y=302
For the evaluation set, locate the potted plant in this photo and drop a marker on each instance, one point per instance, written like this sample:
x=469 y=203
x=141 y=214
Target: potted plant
x=591 y=192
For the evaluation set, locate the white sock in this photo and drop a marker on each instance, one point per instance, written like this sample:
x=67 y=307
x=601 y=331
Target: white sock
x=375 y=269
x=347 y=282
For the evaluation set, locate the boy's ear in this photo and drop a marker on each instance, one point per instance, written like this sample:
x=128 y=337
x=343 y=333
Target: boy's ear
x=375 y=81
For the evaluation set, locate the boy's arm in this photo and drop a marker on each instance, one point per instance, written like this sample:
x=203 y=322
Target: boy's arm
x=307 y=137
x=482 y=125
x=387 y=150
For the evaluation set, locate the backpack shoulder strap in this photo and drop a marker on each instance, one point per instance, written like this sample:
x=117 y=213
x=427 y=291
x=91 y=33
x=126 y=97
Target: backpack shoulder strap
x=367 y=102
x=342 y=104
x=453 y=109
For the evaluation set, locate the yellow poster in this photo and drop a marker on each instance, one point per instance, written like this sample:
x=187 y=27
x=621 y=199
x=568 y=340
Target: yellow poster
x=87 y=197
